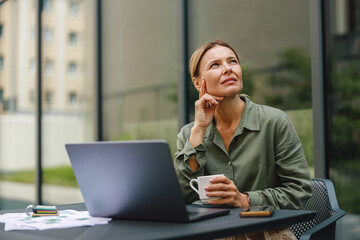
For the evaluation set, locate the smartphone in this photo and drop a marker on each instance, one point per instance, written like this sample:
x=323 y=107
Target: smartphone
x=257 y=211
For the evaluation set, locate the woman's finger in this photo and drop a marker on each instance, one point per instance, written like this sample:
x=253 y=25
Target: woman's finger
x=221 y=187
x=220 y=179
x=202 y=89
x=221 y=194
x=206 y=98
x=222 y=201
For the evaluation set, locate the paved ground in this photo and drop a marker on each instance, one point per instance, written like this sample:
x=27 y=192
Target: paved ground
x=348 y=227
x=26 y=193
x=18 y=196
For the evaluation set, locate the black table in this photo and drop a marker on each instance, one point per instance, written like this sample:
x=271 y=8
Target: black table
x=217 y=227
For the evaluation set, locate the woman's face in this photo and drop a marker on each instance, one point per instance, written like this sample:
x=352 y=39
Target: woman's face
x=221 y=70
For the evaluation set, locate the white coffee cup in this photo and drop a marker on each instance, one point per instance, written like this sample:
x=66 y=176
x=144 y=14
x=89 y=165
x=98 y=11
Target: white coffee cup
x=202 y=182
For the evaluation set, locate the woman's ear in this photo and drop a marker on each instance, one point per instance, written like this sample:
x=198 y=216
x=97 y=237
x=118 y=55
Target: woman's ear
x=197 y=82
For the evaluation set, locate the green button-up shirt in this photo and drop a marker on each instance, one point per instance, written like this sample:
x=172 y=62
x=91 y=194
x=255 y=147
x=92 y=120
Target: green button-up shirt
x=265 y=158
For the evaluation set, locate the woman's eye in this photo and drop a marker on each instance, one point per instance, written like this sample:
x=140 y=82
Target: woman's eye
x=234 y=61
x=214 y=65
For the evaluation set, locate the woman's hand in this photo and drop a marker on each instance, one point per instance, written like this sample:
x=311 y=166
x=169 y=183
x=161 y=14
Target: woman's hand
x=205 y=107
x=224 y=188
x=204 y=113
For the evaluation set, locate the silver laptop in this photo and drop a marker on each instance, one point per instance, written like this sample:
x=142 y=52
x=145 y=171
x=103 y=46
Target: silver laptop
x=132 y=180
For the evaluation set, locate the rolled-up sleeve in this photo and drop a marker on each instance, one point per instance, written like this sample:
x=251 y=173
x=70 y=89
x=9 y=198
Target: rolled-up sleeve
x=184 y=172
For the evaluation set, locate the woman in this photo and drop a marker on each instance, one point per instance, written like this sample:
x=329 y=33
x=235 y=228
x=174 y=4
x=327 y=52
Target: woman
x=256 y=147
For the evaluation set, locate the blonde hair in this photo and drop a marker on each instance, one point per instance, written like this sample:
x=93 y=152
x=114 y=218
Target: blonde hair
x=200 y=52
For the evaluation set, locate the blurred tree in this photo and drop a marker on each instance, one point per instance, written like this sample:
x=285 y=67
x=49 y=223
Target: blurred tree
x=290 y=84
x=343 y=119
x=344 y=113
x=248 y=80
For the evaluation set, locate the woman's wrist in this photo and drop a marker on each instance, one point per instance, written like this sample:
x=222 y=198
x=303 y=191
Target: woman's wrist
x=197 y=135
x=245 y=200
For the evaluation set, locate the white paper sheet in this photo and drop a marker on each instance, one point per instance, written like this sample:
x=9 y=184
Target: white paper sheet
x=66 y=219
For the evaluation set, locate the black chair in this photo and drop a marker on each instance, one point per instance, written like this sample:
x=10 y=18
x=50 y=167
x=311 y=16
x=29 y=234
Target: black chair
x=324 y=202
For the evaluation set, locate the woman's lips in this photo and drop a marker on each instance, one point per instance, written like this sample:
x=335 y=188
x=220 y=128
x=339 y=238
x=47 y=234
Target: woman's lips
x=229 y=80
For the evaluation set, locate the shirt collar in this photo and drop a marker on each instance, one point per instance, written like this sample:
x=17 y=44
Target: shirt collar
x=249 y=119
x=250 y=116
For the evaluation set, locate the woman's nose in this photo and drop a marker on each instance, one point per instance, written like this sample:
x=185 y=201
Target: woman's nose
x=227 y=68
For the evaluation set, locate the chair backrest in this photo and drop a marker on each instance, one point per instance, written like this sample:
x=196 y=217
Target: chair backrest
x=324 y=202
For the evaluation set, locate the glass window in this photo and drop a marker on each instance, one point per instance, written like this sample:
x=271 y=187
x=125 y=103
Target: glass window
x=72 y=39
x=273 y=43
x=356 y=15
x=140 y=74
x=49 y=67
x=73 y=99
x=73 y=10
x=47 y=5
x=48 y=35
x=17 y=118
x=32 y=96
x=33 y=35
x=48 y=98
x=68 y=109
x=342 y=80
x=1 y=63
x=72 y=70
x=32 y=67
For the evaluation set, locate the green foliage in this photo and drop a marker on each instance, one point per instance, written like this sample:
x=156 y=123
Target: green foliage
x=63 y=176
x=22 y=176
x=345 y=113
x=291 y=84
x=172 y=96
x=248 y=80
x=160 y=129
x=124 y=136
x=193 y=95
x=346 y=183
x=344 y=132
x=302 y=121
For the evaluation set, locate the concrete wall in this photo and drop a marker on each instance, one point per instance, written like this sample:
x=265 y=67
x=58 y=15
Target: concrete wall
x=18 y=142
